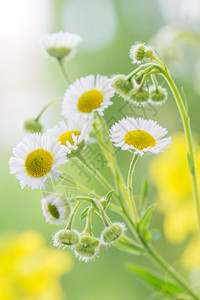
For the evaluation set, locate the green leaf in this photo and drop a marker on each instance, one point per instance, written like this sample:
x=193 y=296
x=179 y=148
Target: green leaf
x=84 y=213
x=146 y=218
x=109 y=196
x=164 y=285
x=190 y=163
x=127 y=245
x=144 y=191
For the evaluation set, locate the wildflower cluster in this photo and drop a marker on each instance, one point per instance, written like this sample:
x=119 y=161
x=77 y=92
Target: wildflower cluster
x=40 y=155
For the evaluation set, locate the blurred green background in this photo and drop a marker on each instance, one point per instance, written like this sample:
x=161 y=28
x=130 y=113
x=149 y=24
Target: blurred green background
x=29 y=80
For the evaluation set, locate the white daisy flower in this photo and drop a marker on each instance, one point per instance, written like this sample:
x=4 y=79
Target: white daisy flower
x=60 y=44
x=55 y=208
x=139 y=135
x=35 y=159
x=87 y=95
x=71 y=135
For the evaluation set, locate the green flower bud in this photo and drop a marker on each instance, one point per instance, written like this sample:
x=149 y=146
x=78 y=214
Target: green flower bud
x=121 y=85
x=66 y=237
x=58 y=52
x=137 y=53
x=89 y=240
x=148 y=53
x=32 y=126
x=139 y=95
x=85 y=252
x=158 y=95
x=112 y=232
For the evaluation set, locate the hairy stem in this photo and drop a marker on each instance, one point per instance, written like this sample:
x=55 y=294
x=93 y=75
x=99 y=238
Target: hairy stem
x=190 y=147
x=45 y=107
x=131 y=201
x=63 y=71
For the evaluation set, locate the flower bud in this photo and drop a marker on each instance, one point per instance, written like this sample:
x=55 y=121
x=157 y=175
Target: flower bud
x=89 y=240
x=148 y=53
x=85 y=252
x=112 y=232
x=121 y=85
x=137 y=52
x=139 y=95
x=66 y=237
x=158 y=95
x=32 y=126
x=55 y=208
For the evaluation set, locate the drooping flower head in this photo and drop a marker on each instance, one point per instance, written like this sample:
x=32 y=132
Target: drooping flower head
x=35 y=159
x=139 y=135
x=139 y=52
x=55 y=208
x=87 y=95
x=60 y=44
x=71 y=135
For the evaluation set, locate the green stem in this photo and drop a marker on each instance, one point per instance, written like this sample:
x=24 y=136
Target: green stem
x=155 y=82
x=170 y=270
x=69 y=225
x=110 y=156
x=159 y=260
x=103 y=214
x=131 y=201
x=63 y=71
x=146 y=67
x=76 y=184
x=190 y=147
x=45 y=107
x=94 y=172
x=88 y=225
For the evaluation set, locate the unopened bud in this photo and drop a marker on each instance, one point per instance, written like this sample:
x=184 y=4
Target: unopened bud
x=32 y=126
x=139 y=52
x=139 y=95
x=89 y=240
x=158 y=95
x=148 y=53
x=121 y=85
x=85 y=252
x=66 y=238
x=112 y=232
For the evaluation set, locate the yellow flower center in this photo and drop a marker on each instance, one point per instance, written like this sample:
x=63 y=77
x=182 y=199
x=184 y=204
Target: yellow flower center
x=67 y=137
x=139 y=139
x=52 y=209
x=89 y=101
x=38 y=162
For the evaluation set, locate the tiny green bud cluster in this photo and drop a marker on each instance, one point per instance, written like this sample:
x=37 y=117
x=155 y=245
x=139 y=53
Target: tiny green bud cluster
x=32 y=126
x=112 y=232
x=139 y=52
x=87 y=248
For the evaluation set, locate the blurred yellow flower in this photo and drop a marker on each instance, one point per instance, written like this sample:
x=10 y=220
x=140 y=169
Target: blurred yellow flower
x=30 y=270
x=191 y=256
x=169 y=172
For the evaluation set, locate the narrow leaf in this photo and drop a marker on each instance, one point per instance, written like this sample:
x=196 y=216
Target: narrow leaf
x=146 y=218
x=109 y=196
x=144 y=190
x=84 y=213
x=162 y=284
x=190 y=163
x=127 y=245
